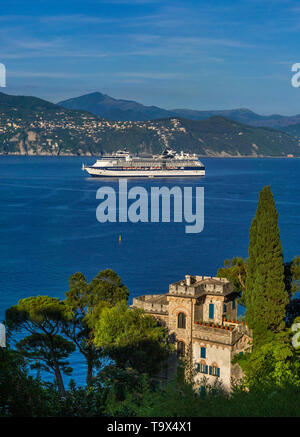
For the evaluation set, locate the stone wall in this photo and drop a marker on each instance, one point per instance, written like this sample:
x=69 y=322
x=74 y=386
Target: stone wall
x=145 y=303
x=182 y=289
x=230 y=313
x=215 y=335
x=180 y=305
x=217 y=301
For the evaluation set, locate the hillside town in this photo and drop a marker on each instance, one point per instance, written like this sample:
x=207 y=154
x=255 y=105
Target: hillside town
x=31 y=126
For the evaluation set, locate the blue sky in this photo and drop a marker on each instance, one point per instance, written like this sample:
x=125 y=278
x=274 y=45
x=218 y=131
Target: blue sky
x=173 y=54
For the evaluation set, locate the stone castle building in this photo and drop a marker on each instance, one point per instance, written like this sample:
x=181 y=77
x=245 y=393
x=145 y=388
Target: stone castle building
x=201 y=314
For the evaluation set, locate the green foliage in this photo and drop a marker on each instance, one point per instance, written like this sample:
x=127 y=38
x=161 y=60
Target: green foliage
x=78 y=401
x=235 y=271
x=266 y=297
x=174 y=400
x=177 y=399
x=124 y=391
x=132 y=338
x=87 y=301
x=41 y=349
x=293 y=311
x=41 y=315
x=95 y=316
x=119 y=392
x=271 y=364
x=295 y=333
x=77 y=329
x=77 y=297
x=45 y=317
x=292 y=276
x=107 y=286
x=20 y=393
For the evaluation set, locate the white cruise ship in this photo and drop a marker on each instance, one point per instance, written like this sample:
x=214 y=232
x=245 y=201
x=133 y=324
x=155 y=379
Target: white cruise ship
x=168 y=164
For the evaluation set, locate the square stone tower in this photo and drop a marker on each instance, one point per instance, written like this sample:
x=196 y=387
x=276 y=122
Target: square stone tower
x=201 y=313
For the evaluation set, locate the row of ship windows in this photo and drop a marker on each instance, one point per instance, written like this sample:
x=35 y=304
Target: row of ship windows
x=149 y=168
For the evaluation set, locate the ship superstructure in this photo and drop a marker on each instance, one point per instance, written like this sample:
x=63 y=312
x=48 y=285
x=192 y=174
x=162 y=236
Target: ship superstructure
x=167 y=164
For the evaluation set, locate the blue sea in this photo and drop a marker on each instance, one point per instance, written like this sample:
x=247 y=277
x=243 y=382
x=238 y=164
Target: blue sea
x=49 y=230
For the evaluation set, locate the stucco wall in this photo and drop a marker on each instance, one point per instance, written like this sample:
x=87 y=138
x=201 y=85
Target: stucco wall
x=219 y=355
x=218 y=308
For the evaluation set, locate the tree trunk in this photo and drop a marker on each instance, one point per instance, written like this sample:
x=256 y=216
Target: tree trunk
x=89 y=376
x=59 y=379
x=58 y=376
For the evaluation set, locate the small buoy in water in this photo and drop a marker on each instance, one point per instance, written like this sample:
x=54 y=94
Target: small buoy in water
x=120 y=239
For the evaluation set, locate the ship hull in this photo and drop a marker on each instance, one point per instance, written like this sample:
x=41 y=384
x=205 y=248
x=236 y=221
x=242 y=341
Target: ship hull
x=105 y=173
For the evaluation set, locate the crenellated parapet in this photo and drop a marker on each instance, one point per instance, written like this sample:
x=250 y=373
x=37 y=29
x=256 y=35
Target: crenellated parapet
x=152 y=303
x=201 y=311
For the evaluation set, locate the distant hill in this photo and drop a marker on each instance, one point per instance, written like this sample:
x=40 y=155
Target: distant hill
x=222 y=136
x=243 y=116
x=127 y=110
x=31 y=126
x=115 y=109
x=293 y=129
x=24 y=106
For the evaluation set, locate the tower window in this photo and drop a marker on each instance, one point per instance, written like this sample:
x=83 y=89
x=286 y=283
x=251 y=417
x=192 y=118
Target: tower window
x=233 y=304
x=203 y=352
x=214 y=370
x=211 y=311
x=181 y=322
x=180 y=349
x=202 y=368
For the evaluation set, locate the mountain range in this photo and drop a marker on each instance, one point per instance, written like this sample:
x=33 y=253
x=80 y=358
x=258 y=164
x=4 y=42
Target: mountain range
x=129 y=110
x=32 y=126
x=116 y=109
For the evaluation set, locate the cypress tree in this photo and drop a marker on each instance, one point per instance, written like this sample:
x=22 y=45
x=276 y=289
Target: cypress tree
x=266 y=296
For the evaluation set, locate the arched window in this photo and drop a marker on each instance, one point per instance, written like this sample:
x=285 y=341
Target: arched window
x=180 y=348
x=181 y=321
x=214 y=370
x=202 y=367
